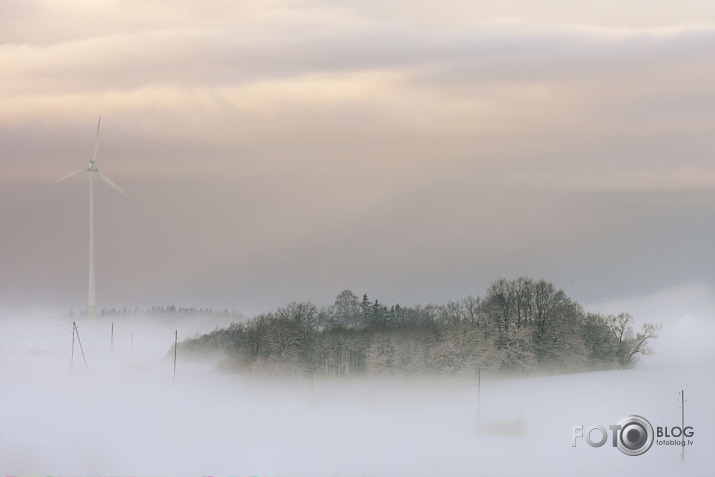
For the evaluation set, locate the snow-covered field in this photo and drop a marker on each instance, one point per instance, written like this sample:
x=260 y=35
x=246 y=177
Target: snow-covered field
x=125 y=417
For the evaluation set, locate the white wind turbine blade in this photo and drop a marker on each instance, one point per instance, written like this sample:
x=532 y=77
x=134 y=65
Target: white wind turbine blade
x=71 y=174
x=96 y=141
x=111 y=183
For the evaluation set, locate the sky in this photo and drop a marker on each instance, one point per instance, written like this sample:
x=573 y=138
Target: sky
x=415 y=151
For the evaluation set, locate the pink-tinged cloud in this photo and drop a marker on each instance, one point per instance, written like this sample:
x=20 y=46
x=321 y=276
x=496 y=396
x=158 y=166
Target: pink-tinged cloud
x=289 y=150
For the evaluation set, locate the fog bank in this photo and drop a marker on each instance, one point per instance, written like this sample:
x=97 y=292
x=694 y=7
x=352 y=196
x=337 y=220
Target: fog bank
x=124 y=416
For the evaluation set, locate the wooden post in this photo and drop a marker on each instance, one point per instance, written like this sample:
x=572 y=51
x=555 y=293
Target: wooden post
x=176 y=340
x=72 y=358
x=479 y=394
x=76 y=330
x=682 y=425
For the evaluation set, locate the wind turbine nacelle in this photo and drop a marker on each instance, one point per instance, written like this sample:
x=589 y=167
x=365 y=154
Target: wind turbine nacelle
x=92 y=167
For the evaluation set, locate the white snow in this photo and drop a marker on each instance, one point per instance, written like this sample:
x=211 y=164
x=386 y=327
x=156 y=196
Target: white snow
x=125 y=417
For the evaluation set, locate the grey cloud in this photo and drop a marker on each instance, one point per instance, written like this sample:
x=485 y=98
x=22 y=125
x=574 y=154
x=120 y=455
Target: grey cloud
x=443 y=159
x=249 y=53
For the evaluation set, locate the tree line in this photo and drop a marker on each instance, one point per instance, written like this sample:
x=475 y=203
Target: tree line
x=170 y=311
x=519 y=325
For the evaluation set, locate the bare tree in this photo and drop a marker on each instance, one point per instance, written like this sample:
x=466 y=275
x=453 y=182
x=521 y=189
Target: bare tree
x=256 y=334
x=304 y=314
x=640 y=345
x=500 y=302
x=473 y=310
x=347 y=309
x=451 y=314
x=631 y=347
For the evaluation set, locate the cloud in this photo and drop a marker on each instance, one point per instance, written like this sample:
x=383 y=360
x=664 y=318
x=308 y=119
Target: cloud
x=319 y=41
x=322 y=144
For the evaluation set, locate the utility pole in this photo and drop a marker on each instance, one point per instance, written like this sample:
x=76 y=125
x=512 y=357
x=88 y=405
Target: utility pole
x=479 y=394
x=682 y=425
x=176 y=341
x=74 y=325
x=72 y=358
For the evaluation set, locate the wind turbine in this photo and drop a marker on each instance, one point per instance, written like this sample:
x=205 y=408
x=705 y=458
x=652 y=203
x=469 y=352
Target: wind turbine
x=92 y=169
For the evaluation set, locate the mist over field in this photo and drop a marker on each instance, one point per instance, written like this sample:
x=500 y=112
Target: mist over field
x=124 y=416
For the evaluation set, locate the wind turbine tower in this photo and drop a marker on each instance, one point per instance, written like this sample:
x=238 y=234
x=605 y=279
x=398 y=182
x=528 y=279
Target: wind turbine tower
x=92 y=169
